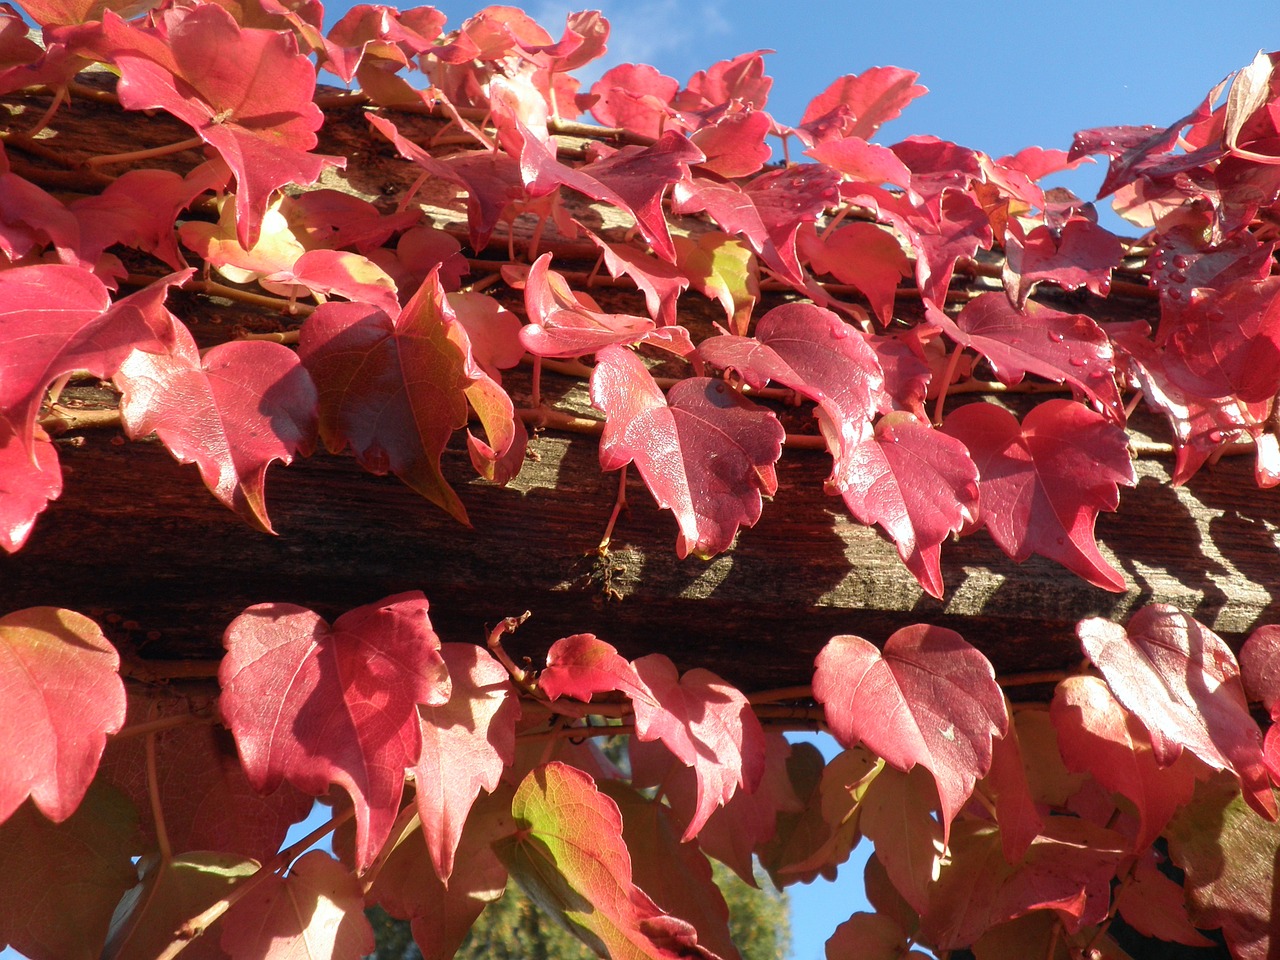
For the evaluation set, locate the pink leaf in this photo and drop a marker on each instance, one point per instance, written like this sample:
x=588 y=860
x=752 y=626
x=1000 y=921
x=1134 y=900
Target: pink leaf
x=1062 y=347
x=708 y=725
x=1180 y=679
x=1096 y=734
x=864 y=255
x=635 y=97
x=232 y=412
x=583 y=665
x=564 y=323
x=930 y=698
x=316 y=705
x=255 y=108
x=1082 y=254
x=60 y=696
x=466 y=744
x=1020 y=821
x=857 y=105
x=1156 y=906
x=917 y=483
x=1042 y=483
x=316 y=911
x=27 y=484
x=660 y=282
x=1260 y=667
x=705 y=453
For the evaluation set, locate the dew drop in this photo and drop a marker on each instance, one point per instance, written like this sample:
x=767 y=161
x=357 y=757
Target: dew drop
x=1078 y=361
x=1057 y=336
x=1174 y=294
x=1178 y=277
x=1179 y=263
x=1215 y=436
x=840 y=332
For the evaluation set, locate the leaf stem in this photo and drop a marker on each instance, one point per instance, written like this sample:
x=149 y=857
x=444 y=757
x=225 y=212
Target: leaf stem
x=504 y=626
x=153 y=791
x=159 y=725
x=133 y=156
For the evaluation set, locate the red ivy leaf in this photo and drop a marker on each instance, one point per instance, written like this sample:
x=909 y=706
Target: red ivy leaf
x=395 y=390
x=27 y=484
x=254 y=108
x=60 y=696
x=708 y=725
x=1043 y=482
x=1181 y=680
x=466 y=744
x=705 y=453
x=316 y=705
x=1260 y=667
x=232 y=412
x=582 y=665
x=1156 y=906
x=1062 y=347
x=930 y=698
x=1096 y=734
x=634 y=96
x=1083 y=254
x=316 y=911
x=917 y=483
x=862 y=254
x=1020 y=821
x=569 y=856
x=856 y=105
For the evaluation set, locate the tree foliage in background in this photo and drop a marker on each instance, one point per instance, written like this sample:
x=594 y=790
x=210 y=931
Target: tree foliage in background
x=868 y=284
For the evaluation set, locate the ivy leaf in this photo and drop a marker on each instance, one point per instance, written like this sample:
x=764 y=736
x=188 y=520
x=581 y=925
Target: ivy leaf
x=659 y=281
x=930 y=698
x=568 y=855
x=316 y=705
x=867 y=936
x=1062 y=347
x=1230 y=858
x=59 y=904
x=861 y=254
x=1260 y=667
x=409 y=888
x=316 y=911
x=232 y=412
x=708 y=725
x=1181 y=680
x=466 y=744
x=255 y=108
x=1156 y=906
x=917 y=483
x=1096 y=734
x=1082 y=254
x=1042 y=483
x=60 y=696
x=395 y=390
x=168 y=894
x=845 y=782
x=634 y=96
x=896 y=814
x=1068 y=869
x=705 y=453
x=583 y=665
x=207 y=800
x=57 y=319
x=815 y=353
x=27 y=484
x=722 y=268
x=1020 y=821
x=856 y=105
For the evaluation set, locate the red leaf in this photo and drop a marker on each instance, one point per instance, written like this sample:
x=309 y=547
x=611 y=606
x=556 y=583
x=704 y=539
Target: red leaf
x=466 y=744
x=316 y=705
x=917 y=483
x=232 y=412
x=1180 y=679
x=633 y=96
x=316 y=911
x=341 y=273
x=864 y=255
x=57 y=319
x=897 y=815
x=1042 y=484
x=440 y=916
x=255 y=108
x=60 y=696
x=856 y=105
x=1082 y=254
x=660 y=282
x=1068 y=869
x=568 y=854
x=734 y=146
x=708 y=725
x=582 y=665
x=1156 y=906
x=1062 y=347
x=1096 y=735
x=395 y=390
x=1227 y=342
x=1020 y=822
x=930 y=698
x=705 y=453
x=59 y=904
x=867 y=936
x=27 y=484
x=1260 y=667
x=815 y=353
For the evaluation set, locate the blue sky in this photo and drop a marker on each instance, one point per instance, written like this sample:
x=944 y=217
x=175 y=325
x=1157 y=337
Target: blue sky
x=1002 y=75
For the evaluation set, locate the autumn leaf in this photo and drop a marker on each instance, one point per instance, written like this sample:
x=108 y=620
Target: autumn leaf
x=73 y=873
x=315 y=911
x=1156 y=906
x=1181 y=680
x=255 y=108
x=1260 y=667
x=27 y=484
x=568 y=855
x=705 y=453
x=897 y=815
x=583 y=665
x=708 y=725
x=930 y=698
x=1042 y=483
x=466 y=744
x=916 y=482
x=867 y=936
x=317 y=705
x=1096 y=735
x=60 y=697
x=856 y=105
x=232 y=412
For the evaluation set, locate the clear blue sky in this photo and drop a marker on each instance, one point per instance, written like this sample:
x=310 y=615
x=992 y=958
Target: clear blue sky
x=1002 y=75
